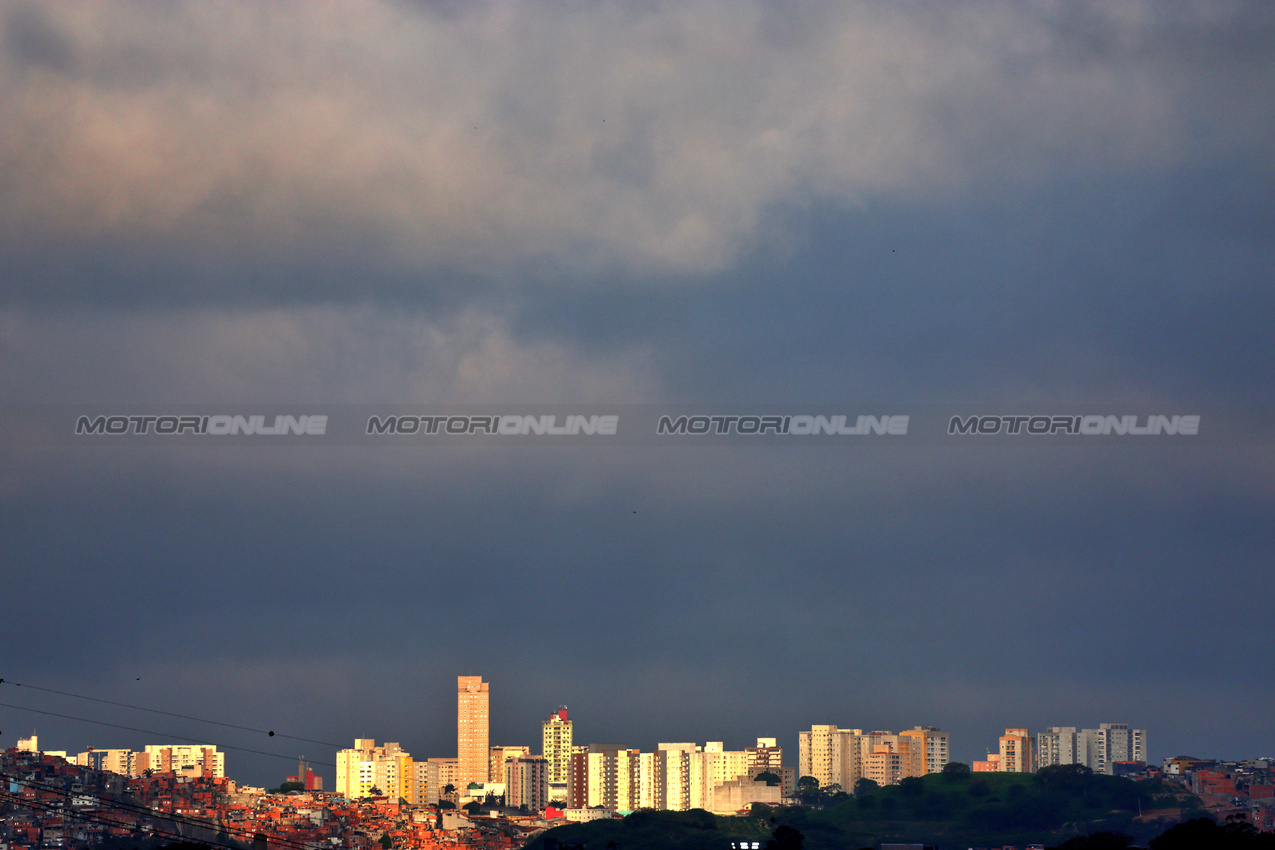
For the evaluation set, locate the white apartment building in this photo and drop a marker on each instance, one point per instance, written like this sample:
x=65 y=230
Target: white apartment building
x=676 y=776
x=176 y=757
x=365 y=767
x=1098 y=749
x=556 y=739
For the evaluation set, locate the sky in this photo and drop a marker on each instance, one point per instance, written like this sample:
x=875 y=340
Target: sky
x=855 y=208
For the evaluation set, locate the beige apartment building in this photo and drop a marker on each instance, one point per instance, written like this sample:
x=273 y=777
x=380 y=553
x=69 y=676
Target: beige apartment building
x=842 y=757
x=366 y=768
x=178 y=757
x=432 y=778
x=556 y=740
x=472 y=730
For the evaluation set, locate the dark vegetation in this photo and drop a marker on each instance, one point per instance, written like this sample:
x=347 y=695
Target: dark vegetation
x=955 y=808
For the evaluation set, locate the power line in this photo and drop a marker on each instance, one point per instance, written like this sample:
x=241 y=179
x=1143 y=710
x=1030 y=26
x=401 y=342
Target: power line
x=268 y=732
x=159 y=734
x=85 y=816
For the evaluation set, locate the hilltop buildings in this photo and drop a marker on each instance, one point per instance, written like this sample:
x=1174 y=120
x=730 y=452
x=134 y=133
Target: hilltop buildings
x=367 y=769
x=676 y=776
x=1099 y=748
x=842 y=757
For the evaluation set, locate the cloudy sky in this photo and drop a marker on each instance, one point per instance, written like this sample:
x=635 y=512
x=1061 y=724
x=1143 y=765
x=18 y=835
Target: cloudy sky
x=860 y=208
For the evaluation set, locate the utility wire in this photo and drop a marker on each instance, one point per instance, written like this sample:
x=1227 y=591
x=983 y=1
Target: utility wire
x=157 y=834
x=161 y=734
x=269 y=732
x=125 y=805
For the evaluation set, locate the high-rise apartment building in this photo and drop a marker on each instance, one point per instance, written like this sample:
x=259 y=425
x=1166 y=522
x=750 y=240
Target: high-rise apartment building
x=472 y=730
x=766 y=757
x=1016 y=752
x=1059 y=745
x=675 y=777
x=115 y=761
x=1099 y=749
x=164 y=757
x=499 y=756
x=843 y=756
x=818 y=754
x=556 y=737
x=578 y=784
x=432 y=778
x=1113 y=742
x=527 y=782
x=366 y=769
x=885 y=764
x=928 y=750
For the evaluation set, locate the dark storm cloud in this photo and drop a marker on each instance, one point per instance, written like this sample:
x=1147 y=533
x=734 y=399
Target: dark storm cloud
x=859 y=205
x=745 y=597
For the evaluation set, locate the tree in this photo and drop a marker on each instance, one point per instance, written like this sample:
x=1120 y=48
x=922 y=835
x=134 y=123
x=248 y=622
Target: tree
x=785 y=838
x=1105 y=840
x=911 y=786
x=865 y=786
x=770 y=779
x=374 y=791
x=1071 y=778
x=808 y=791
x=956 y=770
x=386 y=842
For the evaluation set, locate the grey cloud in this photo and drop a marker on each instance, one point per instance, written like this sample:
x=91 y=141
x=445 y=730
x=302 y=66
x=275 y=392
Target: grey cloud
x=320 y=354
x=500 y=137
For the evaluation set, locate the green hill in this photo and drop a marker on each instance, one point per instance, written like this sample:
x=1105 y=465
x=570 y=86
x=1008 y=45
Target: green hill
x=693 y=830
x=991 y=809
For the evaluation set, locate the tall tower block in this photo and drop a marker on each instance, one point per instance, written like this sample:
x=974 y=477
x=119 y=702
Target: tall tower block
x=471 y=729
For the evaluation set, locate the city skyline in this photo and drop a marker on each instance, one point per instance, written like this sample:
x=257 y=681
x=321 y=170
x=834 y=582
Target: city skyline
x=931 y=748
